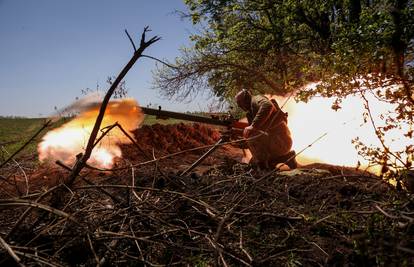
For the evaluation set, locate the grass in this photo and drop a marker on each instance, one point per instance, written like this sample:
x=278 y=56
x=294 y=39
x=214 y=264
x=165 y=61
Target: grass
x=150 y=120
x=14 y=132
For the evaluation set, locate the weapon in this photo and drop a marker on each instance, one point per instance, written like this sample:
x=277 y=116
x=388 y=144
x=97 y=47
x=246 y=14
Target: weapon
x=225 y=120
x=233 y=127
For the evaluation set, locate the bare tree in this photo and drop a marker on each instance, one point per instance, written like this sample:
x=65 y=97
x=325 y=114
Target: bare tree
x=81 y=161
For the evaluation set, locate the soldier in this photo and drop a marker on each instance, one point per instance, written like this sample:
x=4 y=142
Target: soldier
x=270 y=141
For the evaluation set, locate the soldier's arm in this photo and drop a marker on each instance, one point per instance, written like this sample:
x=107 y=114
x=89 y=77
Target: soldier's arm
x=263 y=114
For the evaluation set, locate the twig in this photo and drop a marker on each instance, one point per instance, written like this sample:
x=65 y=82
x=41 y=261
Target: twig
x=136 y=241
x=133 y=184
x=43 y=261
x=288 y=218
x=173 y=155
x=161 y=61
x=408 y=250
x=26 y=212
x=203 y=157
x=200 y=202
x=243 y=249
x=261 y=262
x=105 y=131
x=385 y=213
x=220 y=249
x=21 y=169
x=130 y=39
x=132 y=140
x=116 y=124
x=386 y=149
x=92 y=249
x=20 y=202
x=115 y=199
x=316 y=245
x=223 y=261
x=156 y=167
x=11 y=252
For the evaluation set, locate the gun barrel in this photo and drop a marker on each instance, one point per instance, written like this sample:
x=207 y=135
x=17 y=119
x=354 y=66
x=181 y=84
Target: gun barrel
x=184 y=116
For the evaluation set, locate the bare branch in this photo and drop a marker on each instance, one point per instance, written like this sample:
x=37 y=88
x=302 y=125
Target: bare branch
x=130 y=39
x=11 y=252
x=161 y=61
x=80 y=164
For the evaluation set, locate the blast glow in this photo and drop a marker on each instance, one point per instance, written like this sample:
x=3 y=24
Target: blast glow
x=309 y=121
x=71 y=139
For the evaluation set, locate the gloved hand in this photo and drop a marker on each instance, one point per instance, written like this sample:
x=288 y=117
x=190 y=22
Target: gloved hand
x=248 y=131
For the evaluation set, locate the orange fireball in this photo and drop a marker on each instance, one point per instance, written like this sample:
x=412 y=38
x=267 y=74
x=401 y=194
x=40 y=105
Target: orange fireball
x=70 y=139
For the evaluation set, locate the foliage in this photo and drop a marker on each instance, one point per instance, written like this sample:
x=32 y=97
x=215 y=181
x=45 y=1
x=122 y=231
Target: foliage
x=348 y=46
x=276 y=46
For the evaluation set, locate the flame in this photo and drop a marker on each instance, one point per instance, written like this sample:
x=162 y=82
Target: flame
x=312 y=120
x=70 y=139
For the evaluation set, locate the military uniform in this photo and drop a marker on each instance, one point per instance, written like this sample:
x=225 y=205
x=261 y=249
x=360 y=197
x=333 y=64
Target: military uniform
x=273 y=143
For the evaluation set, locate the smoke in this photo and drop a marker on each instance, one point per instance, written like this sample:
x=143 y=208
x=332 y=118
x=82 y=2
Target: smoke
x=85 y=103
x=65 y=142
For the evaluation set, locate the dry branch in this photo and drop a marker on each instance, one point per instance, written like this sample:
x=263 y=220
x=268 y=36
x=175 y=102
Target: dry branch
x=10 y=251
x=80 y=164
x=21 y=202
x=27 y=211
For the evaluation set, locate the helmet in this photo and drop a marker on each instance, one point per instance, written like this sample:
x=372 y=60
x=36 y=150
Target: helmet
x=243 y=99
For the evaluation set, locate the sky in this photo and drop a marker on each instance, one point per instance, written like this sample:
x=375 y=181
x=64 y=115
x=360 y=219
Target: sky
x=52 y=49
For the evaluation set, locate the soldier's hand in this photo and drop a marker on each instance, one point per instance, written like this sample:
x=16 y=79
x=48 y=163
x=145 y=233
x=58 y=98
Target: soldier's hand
x=248 y=131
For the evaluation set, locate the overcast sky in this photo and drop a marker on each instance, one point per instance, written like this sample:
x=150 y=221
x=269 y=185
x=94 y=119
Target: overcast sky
x=52 y=49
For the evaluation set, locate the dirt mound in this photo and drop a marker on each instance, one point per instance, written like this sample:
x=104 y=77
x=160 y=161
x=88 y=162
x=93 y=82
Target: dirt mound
x=175 y=137
x=185 y=142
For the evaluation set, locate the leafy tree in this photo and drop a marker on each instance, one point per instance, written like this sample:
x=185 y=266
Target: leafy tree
x=276 y=46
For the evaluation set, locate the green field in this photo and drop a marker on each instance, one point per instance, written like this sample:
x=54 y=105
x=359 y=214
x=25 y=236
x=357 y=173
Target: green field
x=150 y=120
x=14 y=132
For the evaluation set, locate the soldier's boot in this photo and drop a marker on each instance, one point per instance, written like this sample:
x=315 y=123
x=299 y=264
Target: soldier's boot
x=291 y=160
x=288 y=159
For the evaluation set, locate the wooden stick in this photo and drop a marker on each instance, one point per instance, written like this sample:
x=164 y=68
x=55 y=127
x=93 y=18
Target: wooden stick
x=115 y=199
x=92 y=249
x=21 y=169
x=201 y=159
x=20 y=202
x=133 y=141
x=11 y=252
x=26 y=212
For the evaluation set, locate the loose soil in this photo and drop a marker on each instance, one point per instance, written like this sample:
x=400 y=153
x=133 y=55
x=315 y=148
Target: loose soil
x=143 y=213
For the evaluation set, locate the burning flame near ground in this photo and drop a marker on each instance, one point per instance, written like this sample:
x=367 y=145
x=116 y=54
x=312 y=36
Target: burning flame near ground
x=309 y=121
x=65 y=142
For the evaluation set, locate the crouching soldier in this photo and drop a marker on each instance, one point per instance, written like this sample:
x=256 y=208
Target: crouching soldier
x=270 y=141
